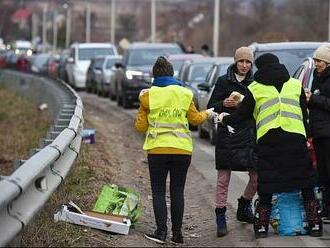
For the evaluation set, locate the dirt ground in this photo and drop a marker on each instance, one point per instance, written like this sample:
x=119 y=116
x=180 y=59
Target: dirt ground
x=117 y=157
x=123 y=148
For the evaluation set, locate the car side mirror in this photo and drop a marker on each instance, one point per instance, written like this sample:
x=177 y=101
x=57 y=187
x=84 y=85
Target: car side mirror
x=204 y=87
x=70 y=60
x=119 y=65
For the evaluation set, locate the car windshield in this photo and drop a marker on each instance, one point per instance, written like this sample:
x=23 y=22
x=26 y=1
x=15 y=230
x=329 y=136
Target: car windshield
x=291 y=58
x=148 y=56
x=89 y=53
x=111 y=62
x=198 y=72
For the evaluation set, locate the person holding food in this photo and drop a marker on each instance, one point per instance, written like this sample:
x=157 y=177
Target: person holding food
x=234 y=150
x=278 y=106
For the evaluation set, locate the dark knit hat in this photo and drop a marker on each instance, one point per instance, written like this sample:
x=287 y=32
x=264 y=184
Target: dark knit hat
x=266 y=59
x=162 y=68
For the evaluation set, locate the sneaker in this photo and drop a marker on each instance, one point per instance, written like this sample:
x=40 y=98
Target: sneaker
x=177 y=238
x=158 y=236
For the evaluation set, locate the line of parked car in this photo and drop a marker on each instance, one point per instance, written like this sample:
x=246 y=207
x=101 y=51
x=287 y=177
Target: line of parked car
x=98 y=68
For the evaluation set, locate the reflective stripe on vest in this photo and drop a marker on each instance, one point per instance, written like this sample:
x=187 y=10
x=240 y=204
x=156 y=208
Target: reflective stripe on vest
x=275 y=109
x=168 y=124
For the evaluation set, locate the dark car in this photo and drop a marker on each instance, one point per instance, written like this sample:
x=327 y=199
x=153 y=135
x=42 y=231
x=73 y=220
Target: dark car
x=61 y=73
x=134 y=73
x=291 y=54
x=94 y=70
x=208 y=128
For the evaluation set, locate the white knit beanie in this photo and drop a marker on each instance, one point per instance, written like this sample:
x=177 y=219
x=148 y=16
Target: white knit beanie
x=244 y=53
x=323 y=53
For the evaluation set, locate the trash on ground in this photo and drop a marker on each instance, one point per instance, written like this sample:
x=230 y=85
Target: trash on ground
x=43 y=106
x=88 y=135
x=195 y=235
x=119 y=200
x=112 y=223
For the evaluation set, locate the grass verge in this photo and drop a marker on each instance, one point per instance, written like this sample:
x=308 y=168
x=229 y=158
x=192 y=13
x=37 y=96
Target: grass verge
x=21 y=127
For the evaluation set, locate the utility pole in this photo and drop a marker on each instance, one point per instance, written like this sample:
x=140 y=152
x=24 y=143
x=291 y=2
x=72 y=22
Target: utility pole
x=216 y=26
x=44 y=29
x=54 y=31
x=68 y=26
x=113 y=22
x=88 y=22
x=34 y=29
x=153 y=21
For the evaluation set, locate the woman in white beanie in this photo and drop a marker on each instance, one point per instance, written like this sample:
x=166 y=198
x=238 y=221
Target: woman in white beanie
x=319 y=109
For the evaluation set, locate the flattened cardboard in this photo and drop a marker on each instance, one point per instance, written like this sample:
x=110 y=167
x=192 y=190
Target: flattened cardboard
x=106 y=222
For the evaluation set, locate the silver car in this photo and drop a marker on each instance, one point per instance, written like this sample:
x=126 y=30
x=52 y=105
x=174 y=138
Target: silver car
x=208 y=129
x=103 y=80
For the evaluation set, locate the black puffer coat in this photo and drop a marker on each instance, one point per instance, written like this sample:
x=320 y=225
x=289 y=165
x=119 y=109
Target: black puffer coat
x=319 y=105
x=233 y=151
x=283 y=160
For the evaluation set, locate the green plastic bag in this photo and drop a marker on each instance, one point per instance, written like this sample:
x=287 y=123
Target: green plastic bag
x=120 y=201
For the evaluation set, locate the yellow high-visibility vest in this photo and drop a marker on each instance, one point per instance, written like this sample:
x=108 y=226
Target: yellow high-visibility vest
x=168 y=123
x=275 y=109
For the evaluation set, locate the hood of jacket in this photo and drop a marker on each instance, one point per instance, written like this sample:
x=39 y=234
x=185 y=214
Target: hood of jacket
x=232 y=78
x=321 y=77
x=273 y=74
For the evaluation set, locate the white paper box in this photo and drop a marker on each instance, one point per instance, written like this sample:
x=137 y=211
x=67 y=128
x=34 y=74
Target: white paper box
x=106 y=222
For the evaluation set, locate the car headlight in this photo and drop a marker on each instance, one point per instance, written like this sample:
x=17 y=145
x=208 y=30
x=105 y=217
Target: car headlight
x=131 y=74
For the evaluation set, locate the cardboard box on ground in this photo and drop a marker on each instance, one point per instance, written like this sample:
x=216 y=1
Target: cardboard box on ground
x=115 y=210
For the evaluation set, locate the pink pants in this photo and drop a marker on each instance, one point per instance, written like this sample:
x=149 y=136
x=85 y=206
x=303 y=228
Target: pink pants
x=223 y=183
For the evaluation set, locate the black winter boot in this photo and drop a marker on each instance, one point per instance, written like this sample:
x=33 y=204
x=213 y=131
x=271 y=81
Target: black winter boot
x=244 y=210
x=261 y=221
x=315 y=227
x=221 y=221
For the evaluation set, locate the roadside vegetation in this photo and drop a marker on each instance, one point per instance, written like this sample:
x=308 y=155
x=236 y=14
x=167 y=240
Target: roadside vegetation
x=82 y=185
x=21 y=127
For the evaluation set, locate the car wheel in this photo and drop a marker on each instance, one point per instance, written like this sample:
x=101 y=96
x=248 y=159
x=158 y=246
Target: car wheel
x=119 y=99
x=126 y=103
x=213 y=135
x=201 y=133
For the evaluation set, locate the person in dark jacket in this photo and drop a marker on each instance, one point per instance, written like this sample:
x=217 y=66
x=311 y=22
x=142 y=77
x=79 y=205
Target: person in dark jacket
x=319 y=106
x=279 y=106
x=234 y=144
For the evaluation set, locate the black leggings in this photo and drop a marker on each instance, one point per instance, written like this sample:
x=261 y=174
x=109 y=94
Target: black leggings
x=265 y=200
x=177 y=166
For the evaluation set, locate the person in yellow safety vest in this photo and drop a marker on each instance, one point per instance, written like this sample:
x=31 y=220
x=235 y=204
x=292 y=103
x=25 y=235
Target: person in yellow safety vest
x=165 y=111
x=278 y=104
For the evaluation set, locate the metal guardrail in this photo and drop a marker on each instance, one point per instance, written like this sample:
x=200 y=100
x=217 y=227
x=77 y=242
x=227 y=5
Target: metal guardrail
x=23 y=193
